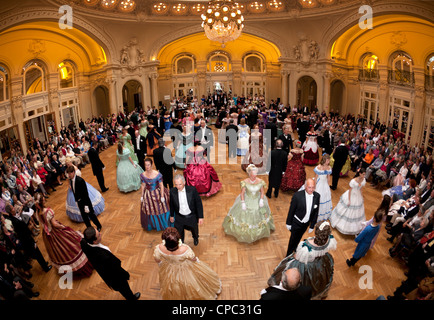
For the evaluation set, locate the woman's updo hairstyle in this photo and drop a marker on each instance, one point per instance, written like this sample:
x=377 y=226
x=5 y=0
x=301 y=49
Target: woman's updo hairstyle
x=322 y=233
x=171 y=238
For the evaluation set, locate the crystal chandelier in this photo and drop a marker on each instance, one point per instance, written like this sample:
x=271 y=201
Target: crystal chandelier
x=222 y=21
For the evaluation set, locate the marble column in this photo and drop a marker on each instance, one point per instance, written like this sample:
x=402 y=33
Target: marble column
x=419 y=106
x=154 y=89
x=383 y=93
x=285 y=75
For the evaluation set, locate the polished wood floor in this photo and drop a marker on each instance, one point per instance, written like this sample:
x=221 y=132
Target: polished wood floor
x=243 y=268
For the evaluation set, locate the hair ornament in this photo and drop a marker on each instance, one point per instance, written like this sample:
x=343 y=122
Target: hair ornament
x=322 y=225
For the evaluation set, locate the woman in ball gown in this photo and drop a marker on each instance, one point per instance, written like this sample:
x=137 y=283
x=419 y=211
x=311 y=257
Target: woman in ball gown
x=167 y=121
x=349 y=214
x=222 y=130
x=295 y=175
x=310 y=148
x=72 y=210
x=155 y=207
x=127 y=172
x=322 y=176
x=313 y=260
x=182 y=275
x=63 y=244
x=151 y=140
x=126 y=139
x=182 y=144
x=199 y=173
x=243 y=138
x=250 y=218
x=255 y=154
x=143 y=128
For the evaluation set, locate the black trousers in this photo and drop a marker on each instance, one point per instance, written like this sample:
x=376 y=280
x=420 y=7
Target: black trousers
x=100 y=177
x=270 y=189
x=36 y=254
x=336 y=171
x=297 y=231
x=87 y=217
x=125 y=290
x=187 y=223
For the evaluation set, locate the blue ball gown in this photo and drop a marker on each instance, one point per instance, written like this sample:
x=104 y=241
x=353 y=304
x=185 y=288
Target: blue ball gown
x=72 y=210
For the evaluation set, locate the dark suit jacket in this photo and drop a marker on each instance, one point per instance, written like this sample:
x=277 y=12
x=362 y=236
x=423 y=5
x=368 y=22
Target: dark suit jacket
x=208 y=134
x=272 y=126
x=233 y=127
x=142 y=145
x=278 y=162
x=193 y=199
x=80 y=192
x=298 y=208
x=287 y=143
x=164 y=167
x=340 y=156
x=95 y=161
x=301 y=293
x=106 y=264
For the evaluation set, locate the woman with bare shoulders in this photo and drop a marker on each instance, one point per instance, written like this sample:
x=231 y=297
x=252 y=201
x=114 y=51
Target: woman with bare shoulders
x=155 y=208
x=295 y=174
x=182 y=275
x=313 y=260
x=250 y=218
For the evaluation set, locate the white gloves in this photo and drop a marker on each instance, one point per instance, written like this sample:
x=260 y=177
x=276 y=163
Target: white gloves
x=310 y=230
x=261 y=203
x=141 y=199
x=163 y=200
x=243 y=206
x=86 y=209
x=288 y=227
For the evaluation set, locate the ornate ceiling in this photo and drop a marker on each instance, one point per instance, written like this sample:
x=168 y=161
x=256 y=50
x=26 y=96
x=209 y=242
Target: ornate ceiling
x=191 y=8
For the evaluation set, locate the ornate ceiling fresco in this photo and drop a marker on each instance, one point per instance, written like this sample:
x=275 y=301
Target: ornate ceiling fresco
x=150 y=9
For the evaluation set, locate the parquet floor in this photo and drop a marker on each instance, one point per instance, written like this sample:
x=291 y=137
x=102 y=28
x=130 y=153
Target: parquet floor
x=243 y=268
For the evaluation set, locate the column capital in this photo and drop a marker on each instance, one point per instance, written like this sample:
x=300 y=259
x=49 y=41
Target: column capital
x=153 y=76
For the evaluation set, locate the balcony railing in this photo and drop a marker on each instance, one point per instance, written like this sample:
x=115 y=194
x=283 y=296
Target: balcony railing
x=369 y=75
x=401 y=78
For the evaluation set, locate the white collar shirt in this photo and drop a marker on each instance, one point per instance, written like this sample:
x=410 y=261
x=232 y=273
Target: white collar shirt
x=183 y=203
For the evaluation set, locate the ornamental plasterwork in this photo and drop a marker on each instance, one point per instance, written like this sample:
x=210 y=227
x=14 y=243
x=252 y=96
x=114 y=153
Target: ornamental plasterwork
x=132 y=56
x=36 y=47
x=306 y=51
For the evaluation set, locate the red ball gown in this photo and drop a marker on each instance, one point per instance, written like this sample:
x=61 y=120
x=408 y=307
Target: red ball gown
x=200 y=174
x=295 y=174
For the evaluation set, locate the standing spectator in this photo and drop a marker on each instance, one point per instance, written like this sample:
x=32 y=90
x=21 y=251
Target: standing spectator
x=278 y=163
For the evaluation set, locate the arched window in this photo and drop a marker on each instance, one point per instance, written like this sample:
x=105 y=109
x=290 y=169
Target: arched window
x=369 y=69
x=429 y=74
x=219 y=62
x=34 y=77
x=402 y=69
x=66 y=75
x=253 y=63
x=184 y=64
x=4 y=85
